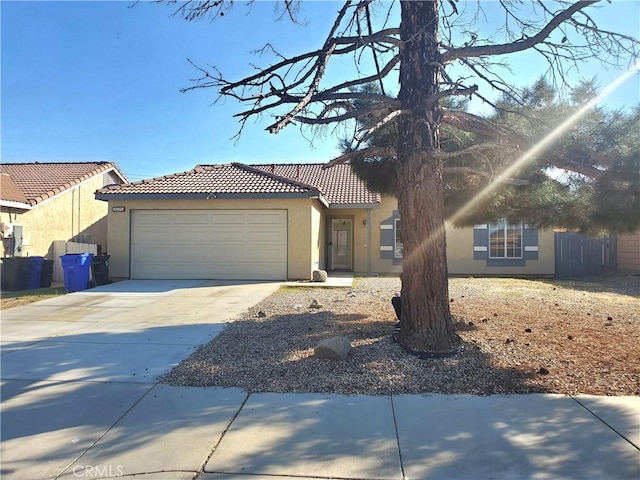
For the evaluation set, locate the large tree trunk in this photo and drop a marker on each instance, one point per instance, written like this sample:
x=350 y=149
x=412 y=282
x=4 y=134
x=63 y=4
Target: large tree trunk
x=426 y=323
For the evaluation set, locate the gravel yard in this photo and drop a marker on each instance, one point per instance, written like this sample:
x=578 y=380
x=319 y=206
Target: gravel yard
x=520 y=336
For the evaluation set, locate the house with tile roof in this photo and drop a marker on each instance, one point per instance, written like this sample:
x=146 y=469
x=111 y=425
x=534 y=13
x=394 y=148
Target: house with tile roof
x=283 y=221
x=44 y=202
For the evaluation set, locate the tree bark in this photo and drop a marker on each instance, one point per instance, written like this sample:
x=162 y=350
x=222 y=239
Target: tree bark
x=426 y=323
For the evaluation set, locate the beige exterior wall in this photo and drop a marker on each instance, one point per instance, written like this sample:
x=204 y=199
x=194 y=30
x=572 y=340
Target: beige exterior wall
x=73 y=213
x=460 y=256
x=460 y=259
x=379 y=265
x=629 y=253
x=359 y=238
x=309 y=225
x=318 y=249
x=301 y=257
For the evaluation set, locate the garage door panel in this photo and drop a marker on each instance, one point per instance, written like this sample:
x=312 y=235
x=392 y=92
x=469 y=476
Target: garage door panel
x=187 y=244
x=264 y=219
x=229 y=218
x=153 y=252
x=150 y=236
x=154 y=218
x=191 y=219
x=269 y=236
x=195 y=253
x=218 y=236
x=195 y=235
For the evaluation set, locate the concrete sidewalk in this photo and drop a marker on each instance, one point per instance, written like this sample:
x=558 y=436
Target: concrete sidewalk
x=80 y=399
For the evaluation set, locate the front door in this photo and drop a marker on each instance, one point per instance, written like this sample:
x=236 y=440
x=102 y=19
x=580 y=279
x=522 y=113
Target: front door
x=341 y=244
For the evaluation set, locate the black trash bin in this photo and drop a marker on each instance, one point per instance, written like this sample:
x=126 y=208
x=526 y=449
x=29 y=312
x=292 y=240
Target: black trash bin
x=100 y=269
x=47 y=274
x=15 y=273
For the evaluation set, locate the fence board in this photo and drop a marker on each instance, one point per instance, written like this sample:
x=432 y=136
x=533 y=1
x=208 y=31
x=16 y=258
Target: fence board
x=577 y=255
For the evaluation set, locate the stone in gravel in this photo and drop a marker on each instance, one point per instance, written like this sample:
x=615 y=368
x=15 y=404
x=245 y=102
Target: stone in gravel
x=543 y=371
x=319 y=276
x=334 y=348
x=528 y=330
x=261 y=314
x=315 y=304
x=484 y=319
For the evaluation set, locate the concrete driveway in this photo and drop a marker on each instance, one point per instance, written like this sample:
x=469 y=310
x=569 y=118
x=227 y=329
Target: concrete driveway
x=73 y=366
x=80 y=399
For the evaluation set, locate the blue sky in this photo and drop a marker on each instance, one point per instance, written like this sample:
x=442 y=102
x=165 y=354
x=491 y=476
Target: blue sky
x=100 y=81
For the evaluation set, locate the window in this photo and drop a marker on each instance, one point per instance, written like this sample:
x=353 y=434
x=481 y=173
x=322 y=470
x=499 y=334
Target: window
x=505 y=240
x=398 y=240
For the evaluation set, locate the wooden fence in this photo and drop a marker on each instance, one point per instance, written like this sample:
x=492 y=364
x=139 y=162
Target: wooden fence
x=577 y=255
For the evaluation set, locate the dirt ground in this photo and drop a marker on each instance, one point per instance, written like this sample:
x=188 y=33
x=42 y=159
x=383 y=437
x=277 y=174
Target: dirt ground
x=519 y=336
x=578 y=336
x=15 y=299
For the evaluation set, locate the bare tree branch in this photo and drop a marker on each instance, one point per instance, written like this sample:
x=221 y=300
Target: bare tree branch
x=517 y=46
x=371 y=152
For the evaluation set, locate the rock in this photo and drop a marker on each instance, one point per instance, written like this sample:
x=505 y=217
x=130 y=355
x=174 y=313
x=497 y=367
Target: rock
x=528 y=330
x=319 y=276
x=543 y=371
x=334 y=348
x=261 y=314
x=484 y=319
x=315 y=304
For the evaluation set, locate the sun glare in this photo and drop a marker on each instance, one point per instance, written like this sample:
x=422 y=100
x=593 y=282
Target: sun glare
x=546 y=141
x=540 y=146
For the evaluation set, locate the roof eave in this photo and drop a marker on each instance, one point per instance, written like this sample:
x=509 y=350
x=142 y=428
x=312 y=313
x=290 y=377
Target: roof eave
x=335 y=206
x=10 y=204
x=202 y=196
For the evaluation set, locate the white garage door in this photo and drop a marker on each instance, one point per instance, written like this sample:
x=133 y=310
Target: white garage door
x=206 y=244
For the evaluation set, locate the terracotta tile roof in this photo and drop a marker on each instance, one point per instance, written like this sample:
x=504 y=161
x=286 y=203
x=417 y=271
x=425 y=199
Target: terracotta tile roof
x=338 y=185
x=9 y=191
x=213 y=180
x=39 y=181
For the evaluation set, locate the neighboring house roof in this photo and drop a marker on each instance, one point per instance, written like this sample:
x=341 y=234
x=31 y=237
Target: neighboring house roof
x=336 y=186
x=9 y=191
x=27 y=184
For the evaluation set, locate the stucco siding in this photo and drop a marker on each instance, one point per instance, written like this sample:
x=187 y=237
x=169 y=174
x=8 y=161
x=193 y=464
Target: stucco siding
x=460 y=256
x=299 y=219
x=382 y=215
x=317 y=237
x=73 y=214
x=629 y=253
x=460 y=249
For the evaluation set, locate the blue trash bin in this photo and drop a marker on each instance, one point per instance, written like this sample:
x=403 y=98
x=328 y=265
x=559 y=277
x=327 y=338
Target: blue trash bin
x=35 y=272
x=76 y=268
